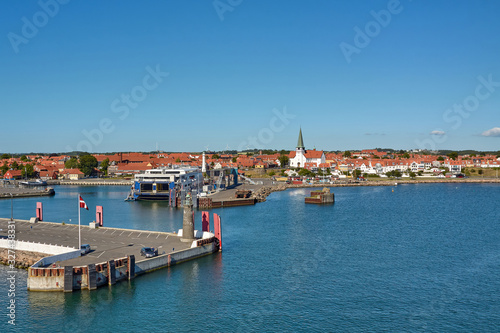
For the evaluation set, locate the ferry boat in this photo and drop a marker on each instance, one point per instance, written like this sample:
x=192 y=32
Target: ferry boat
x=157 y=184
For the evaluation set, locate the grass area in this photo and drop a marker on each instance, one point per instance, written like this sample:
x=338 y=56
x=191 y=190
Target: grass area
x=486 y=172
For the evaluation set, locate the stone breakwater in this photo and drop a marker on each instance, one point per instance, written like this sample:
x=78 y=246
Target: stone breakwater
x=393 y=182
x=261 y=194
x=23 y=259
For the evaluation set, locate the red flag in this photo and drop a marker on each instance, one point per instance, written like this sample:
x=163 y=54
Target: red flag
x=83 y=204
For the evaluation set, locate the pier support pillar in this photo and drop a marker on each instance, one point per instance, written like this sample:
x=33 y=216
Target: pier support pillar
x=39 y=211
x=92 y=276
x=188 y=220
x=131 y=267
x=205 y=221
x=218 y=230
x=68 y=279
x=99 y=215
x=111 y=272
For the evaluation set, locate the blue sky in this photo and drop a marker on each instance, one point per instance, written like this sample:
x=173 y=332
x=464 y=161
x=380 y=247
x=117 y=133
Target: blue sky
x=187 y=75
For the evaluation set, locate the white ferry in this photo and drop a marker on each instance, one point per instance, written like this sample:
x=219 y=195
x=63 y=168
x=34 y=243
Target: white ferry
x=157 y=184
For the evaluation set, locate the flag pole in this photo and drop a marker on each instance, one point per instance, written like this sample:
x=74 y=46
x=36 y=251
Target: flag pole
x=79 y=233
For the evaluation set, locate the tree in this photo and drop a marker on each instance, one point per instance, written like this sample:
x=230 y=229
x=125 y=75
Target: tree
x=412 y=175
x=24 y=158
x=72 y=163
x=406 y=155
x=272 y=173
x=453 y=155
x=357 y=173
x=87 y=164
x=234 y=159
x=394 y=173
x=304 y=172
x=105 y=165
x=440 y=158
x=4 y=167
x=5 y=156
x=283 y=160
x=14 y=165
x=215 y=156
x=347 y=154
x=480 y=171
x=177 y=160
x=28 y=171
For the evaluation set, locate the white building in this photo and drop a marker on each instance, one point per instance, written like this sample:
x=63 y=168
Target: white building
x=301 y=156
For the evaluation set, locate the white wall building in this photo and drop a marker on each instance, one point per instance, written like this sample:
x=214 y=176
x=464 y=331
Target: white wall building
x=301 y=156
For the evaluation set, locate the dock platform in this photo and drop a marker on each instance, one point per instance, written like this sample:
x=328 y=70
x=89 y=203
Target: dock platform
x=17 y=192
x=115 y=253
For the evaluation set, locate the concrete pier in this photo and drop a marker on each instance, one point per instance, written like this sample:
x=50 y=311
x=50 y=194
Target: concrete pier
x=115 y=253
x=5 y=192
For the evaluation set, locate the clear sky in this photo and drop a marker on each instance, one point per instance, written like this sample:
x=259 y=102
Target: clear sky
x=187 y=75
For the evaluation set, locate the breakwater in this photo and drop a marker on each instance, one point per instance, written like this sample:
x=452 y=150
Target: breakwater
x=22 y=259
x=7 y=193
x=91 y=182
x=393 y=182
x=263 y=192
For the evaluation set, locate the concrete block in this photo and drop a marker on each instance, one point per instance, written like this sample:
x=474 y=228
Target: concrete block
x=93 y=225
x=34 y=220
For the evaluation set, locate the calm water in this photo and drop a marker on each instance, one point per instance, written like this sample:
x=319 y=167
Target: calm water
x=421 y=258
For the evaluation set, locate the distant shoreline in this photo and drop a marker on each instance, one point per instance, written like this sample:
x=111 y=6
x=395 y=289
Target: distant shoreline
x=399 y=182
x=341 y=183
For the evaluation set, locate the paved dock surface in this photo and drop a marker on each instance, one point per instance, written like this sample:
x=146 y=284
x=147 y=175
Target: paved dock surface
x=21 y=192
x=106 y=243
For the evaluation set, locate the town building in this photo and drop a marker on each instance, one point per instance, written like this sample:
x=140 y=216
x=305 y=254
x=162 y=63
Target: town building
x=301 y=156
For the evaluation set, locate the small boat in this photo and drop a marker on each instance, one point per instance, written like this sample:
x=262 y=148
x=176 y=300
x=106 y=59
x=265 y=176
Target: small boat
x=37 y=182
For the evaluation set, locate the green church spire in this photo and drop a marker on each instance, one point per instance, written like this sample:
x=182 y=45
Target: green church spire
x=300 y=143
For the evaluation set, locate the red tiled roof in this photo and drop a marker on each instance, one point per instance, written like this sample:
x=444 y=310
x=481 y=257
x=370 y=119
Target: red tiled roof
x=72 y=172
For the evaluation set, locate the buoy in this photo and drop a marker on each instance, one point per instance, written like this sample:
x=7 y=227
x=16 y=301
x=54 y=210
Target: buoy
x=392 y=190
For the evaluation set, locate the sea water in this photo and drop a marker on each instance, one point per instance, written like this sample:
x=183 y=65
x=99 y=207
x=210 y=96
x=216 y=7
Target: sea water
x=420 y=257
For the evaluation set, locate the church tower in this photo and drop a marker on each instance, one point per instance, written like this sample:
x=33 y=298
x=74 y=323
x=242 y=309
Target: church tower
x=300 y=151
x=300 y=142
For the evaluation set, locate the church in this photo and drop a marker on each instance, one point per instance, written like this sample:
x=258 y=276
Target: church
x=302 y=158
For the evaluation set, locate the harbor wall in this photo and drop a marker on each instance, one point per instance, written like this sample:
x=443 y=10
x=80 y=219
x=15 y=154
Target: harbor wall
x=5 y=193
x=166 y=260
x=58 y=257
